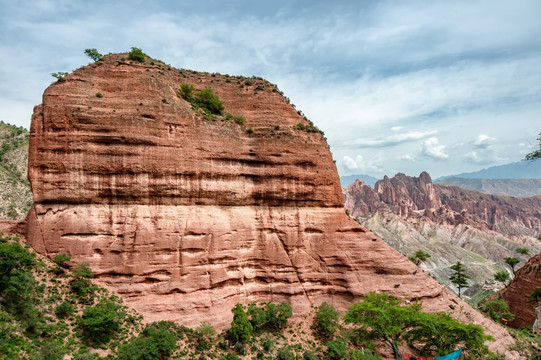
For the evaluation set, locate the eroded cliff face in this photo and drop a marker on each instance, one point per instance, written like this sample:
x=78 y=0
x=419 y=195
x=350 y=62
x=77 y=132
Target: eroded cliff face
x=527 y=279
x=184 y=217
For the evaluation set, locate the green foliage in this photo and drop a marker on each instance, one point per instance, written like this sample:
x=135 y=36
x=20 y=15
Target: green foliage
x=419 y=257
x=186 y=92
x=309 y=355
x=535 y=295
x=383 y=317
x=308 y=128
x=512 y=262
x=536 y=154
x=64 y=310
x=336 y=349
x=497 y=310
x=99 y=95
x=285 y=353
x=80 y=284
x=230 y=357
x=157 y=341
x=241 y=329
x=62 y=259
x=365 y=354
x=237 y=119
x=204 y=335
x=269 y=316
x=326 y=321
x=49 y=351
x=522 y=251
x=208 y=101
x=136 y=54
x=100 y=322
x=59 y=76
x=93 y=54
x=459 y=277
x=501 y=276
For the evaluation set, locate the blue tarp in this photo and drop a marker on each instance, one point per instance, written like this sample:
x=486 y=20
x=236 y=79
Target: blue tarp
x=452 y=356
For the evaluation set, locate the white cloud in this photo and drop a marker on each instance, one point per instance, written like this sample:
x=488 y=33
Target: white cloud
x=484 y=141
x=433 y=149
x=408 y=157
x=391 y=140
x=359 y=164
x=397 y=128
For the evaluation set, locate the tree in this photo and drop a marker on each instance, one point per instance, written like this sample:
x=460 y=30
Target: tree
x=459 y=277
x=100 y=322
x=497 y=310
x=383 y=317
x=512 y=262
x=536 y=154
x=522 y=251
x=241 y=329
x=419 y=257
x=93 y=54
x=501 y=276
x=136 y=54
x=326 y=321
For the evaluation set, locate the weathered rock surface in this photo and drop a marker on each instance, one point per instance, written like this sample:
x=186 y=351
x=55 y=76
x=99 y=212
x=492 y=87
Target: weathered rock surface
x=184 y=217
x=527 y=279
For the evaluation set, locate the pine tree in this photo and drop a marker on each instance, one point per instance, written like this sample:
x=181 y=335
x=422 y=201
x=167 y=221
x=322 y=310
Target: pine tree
x=459 y=277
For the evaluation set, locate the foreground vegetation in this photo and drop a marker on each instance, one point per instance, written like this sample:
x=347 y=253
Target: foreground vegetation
x=47 y=312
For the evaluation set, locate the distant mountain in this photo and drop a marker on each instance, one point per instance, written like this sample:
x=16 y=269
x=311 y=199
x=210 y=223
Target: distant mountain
x=450 y=223
x=505 y=187
x=350 y=179
x=516 y=170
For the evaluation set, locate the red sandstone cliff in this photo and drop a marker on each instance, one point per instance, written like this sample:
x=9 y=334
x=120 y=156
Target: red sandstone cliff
x=184 y=217
x=527 y=279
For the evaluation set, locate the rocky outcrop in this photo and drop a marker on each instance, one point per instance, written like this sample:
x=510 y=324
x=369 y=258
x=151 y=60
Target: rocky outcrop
x=183 y=217
x=527 y=279
x=450 y=223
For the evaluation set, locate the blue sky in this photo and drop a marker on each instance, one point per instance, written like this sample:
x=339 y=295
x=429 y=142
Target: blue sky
x=397 y=86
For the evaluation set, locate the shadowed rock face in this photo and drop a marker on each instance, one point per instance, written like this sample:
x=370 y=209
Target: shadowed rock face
x=527 y=279
x=184 y=217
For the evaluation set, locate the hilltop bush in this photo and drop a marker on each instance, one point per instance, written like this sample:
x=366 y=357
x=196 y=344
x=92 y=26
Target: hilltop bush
x=136 y=54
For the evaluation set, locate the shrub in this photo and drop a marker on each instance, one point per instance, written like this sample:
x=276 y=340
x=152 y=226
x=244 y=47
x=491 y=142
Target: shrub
x=357 y=354
x=59 y=76
x=64 y=310
x=497 y=310
x=99 y=95
x=204 y=335
x=80 y=284
x=326 y=321
x=93 y=54
x=157 y=341
x=186 y=92
x=207 y=100
x=100 y=322
x=136 y=54
x=309 y=355
x=285 y=353
x=336 y=349
x=61 y=259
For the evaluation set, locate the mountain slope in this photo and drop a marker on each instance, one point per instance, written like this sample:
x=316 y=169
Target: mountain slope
x=516 y=170
x=16 y=197
x=504 y=187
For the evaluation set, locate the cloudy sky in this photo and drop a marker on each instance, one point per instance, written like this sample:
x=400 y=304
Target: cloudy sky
x=397 y=86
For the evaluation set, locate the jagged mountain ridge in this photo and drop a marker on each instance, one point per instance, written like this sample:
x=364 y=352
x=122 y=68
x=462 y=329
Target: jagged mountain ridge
x=452 y=224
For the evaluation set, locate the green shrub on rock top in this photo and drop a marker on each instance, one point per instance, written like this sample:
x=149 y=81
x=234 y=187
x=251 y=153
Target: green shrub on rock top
x=136 y=54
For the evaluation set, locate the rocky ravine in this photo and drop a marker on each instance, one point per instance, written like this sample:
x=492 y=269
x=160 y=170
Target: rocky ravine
x=184 y=217
x=450 y=223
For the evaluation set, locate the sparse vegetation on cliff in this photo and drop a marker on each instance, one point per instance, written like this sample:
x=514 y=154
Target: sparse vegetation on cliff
x=16 y=198
x=136 y=54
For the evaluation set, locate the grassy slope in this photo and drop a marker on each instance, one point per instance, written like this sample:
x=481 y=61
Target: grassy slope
x=16 y=197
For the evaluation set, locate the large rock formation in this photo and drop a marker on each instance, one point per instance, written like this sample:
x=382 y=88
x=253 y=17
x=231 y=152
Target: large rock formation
x=184 y=217
x=527 y=279
x=450 y=223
